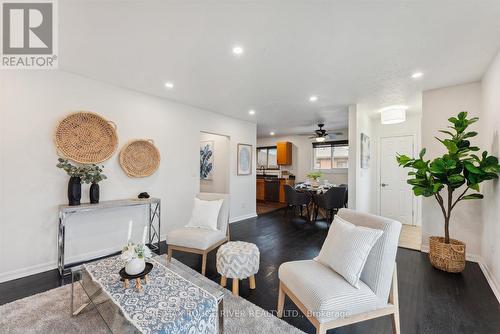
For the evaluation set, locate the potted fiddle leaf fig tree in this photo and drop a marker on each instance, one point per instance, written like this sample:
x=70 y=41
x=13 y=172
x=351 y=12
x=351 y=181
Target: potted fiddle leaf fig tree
x=457 y=173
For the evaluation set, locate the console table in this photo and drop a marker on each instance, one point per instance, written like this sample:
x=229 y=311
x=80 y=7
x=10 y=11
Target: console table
x=154 y=222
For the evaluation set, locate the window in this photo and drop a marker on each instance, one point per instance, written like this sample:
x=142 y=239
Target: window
x=267 y=157
x=331 y=155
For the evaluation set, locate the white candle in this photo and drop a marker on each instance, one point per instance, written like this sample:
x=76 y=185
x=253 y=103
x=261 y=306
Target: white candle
x=144 y=235
x=129 y=235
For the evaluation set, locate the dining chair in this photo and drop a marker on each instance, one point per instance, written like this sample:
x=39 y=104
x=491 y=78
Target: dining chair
x=295 y=199
x=199 y=240
x=346 y=193
x=331 y=201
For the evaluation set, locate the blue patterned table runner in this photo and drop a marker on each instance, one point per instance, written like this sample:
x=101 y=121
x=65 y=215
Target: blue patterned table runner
x=168 y=303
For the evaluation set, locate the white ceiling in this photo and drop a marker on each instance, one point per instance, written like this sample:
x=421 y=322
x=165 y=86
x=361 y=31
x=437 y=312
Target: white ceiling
x=345 y=52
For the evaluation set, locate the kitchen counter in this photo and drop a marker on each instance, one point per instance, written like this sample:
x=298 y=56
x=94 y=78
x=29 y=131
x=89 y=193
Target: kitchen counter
x=270 y=188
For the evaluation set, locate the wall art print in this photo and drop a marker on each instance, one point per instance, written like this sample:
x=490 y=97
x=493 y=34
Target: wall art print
x=244 y=159
x=365 y=151
x=206 y=160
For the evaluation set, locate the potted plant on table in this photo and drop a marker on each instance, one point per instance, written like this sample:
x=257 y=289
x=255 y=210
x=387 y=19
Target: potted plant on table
x=459 y=168
x=314 y=176
x=82 y=174
x=75 y=180
x=94 y=176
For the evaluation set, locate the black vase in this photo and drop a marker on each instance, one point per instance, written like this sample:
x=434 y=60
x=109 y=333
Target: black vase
x=94 y=193
x=74 y=190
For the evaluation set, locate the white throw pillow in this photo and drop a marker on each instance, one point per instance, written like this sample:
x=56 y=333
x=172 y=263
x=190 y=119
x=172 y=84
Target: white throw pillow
x=346 y=249
x=205 y=214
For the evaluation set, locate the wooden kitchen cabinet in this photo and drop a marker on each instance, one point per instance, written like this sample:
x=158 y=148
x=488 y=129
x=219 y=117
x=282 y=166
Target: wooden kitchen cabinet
x=261 y=190
x=284 y=154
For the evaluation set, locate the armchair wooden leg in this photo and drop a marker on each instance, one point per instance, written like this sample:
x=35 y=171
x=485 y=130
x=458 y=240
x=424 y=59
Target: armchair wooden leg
x=320 y=330
x=281 y=302
x=394 y=300
x=169 y=254
x=223 y=281
x=204 y=263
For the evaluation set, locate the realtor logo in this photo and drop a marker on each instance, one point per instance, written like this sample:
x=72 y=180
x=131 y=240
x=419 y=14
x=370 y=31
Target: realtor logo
x=28 y=34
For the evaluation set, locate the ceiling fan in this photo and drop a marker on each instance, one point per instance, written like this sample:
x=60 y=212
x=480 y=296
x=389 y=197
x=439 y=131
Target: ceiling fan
x=321 y=135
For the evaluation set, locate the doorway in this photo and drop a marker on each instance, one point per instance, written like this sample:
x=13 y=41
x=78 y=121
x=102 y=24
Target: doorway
x=396 y=197
x=214 y=163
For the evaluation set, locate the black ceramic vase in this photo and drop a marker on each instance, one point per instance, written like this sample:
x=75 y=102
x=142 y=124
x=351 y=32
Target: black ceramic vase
x=74 y=190
x=94 y=193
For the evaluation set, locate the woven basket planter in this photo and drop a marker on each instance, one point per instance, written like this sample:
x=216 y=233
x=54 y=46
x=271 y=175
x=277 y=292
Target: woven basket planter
x=86 y=137
x=139 y=158
x=447 y=257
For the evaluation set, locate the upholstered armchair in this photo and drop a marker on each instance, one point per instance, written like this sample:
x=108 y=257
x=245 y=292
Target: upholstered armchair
x=328 y=300
x=199 y=240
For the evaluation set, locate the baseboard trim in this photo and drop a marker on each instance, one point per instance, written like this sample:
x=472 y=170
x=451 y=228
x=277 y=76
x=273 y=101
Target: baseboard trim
x=40 y=268
x=490 y=278
x=27 y=271
x=239 y=218
x=495 y=287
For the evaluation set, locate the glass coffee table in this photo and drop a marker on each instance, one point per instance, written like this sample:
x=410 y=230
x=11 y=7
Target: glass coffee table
x=113 y=318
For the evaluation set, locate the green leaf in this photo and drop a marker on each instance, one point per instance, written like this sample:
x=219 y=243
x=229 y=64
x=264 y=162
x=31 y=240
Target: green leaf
x=473 y=196
x=473 y=169
x=447 y=132
x=457 y=178
x=421 y=154
x=474 y=186
x=469 y=135
x=462 y=115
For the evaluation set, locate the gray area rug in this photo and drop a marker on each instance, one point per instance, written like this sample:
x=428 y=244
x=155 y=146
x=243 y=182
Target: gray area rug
x=50 y=312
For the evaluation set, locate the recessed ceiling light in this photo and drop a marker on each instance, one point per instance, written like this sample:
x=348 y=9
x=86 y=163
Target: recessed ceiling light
x=169 y=85
x=272 y=133
x=313 y=98
x=251 y=112
x=417 y=75
x=238 y=50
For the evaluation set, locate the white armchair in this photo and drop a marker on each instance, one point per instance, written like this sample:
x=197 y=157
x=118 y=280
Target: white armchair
x=328 y=300
x=198 y=240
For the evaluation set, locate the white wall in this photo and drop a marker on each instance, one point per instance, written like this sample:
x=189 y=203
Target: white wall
x=365 y=199
x=437 y=106
x=220 y=175
x=411 y=127
x=32 y=187
x=353 y=157
x=490 y=141
x=302 y=155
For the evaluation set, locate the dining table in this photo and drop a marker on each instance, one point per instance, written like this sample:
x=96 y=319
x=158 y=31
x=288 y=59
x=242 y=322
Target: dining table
x=314 y=191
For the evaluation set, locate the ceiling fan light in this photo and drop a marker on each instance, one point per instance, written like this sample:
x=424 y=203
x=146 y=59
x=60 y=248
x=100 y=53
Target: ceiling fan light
x=393 y=115
x=320 y=139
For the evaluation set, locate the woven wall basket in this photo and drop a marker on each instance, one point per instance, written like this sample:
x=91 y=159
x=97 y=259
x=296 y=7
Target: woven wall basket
x=140 y=158
x=86 y=137
x=447 y=257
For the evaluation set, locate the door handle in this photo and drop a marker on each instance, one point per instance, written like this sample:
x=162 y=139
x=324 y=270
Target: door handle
x=384 y=184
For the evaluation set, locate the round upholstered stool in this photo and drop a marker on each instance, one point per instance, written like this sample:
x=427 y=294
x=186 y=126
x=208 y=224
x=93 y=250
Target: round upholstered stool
x=238 y=260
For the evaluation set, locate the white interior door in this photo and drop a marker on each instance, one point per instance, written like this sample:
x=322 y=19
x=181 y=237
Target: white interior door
x=396 y=197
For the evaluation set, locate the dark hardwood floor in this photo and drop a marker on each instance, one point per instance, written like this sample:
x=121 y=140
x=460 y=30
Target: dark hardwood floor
x=431 y=301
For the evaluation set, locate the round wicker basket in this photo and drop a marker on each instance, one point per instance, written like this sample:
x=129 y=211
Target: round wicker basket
x=447 y=257
x=140 y=158
x=86 y=137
